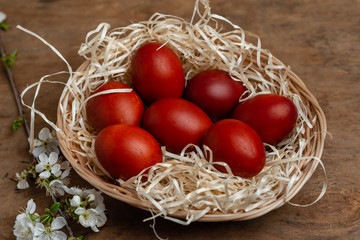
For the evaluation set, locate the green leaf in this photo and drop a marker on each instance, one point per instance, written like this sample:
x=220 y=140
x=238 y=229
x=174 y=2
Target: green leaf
x=55 y=207
x=18 y=122
x=10 y=59
x=4 y=26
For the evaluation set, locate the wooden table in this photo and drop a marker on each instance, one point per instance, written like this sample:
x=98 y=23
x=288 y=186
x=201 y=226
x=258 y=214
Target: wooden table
x=320 y=40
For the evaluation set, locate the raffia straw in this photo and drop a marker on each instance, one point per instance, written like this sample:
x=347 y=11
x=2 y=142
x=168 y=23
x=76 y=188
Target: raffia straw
x=187 y=187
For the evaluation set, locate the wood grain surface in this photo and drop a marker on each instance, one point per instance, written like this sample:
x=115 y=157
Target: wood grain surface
x=320 y=40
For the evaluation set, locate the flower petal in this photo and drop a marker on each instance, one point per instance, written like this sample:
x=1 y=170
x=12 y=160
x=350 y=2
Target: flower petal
x=31 y=207
x=94 y=228
x=67 y=190
x=38 y=150
x=90 y=191
x=39 y=167
x=53 y=158
x=35 y=142
x=73 y=191
x=23 y=184
x=65 y=173
x=66 y=181
x=58 y=223
x=39 y=229
x=20 y=216
x=56 y=168
x=65 y=165
x=43 y=237
x=79 y=211
x=59 y=235
x=2 y=17
x=43 y=158
x=56 y=173
x=75 y=201
x=59 y=192
x=44 y=134
x=83 y=221
x=56 y=183
x=101 y=220
x=45 y=174
x=100 y=208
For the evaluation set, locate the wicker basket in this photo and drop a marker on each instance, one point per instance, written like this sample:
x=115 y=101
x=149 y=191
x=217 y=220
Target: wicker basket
x=75 y=155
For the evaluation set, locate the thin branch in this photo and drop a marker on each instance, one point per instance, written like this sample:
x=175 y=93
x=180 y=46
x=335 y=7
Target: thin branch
x=14 y=89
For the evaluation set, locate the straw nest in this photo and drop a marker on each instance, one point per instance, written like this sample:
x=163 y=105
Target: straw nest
x=186 y=187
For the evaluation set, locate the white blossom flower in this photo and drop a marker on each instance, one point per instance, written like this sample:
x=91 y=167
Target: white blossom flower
x=91 y=218
x=2 y=17
x=56 y=187
x=46 y=143
x=24 y=228
x=48 y=165
x=51 y=232
x=92 y=215
x=22 y=180
x=30 y=210
x=25 y=222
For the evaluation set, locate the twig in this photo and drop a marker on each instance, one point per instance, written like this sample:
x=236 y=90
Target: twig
x=14 y=89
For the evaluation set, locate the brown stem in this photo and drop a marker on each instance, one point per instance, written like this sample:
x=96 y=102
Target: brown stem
x=14 y=89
